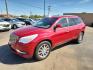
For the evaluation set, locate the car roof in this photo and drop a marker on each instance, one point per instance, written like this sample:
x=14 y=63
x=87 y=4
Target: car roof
x=69 y=16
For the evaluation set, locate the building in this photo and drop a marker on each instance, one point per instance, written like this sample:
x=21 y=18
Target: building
x=87 y=17
x=5 y=16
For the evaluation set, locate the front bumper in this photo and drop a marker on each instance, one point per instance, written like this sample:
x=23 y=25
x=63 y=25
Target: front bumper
x=20 y=25
x=25 y=51
x=5 y=28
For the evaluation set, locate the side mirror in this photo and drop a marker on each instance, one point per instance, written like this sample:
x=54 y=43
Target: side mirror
x=58 y=26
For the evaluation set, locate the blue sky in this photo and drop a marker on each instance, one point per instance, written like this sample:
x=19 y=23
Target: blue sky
x=23 y=7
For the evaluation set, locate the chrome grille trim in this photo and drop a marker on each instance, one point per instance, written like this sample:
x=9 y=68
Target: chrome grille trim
x=13 y=38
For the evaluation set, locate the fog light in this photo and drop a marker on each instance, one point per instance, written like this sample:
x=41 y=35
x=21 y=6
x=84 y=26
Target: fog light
x=21 y=52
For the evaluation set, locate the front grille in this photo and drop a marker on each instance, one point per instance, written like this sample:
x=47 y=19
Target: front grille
x=6 y=25
x=23 y=24
x=13 y=38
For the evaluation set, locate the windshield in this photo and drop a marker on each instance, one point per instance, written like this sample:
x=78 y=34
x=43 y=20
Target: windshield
x=45 y=23
x=29 y=20
x=15 y=20
x=21 y=19
x=1 y=20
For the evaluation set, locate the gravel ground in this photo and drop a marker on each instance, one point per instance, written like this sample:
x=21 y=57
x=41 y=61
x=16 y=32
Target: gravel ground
x=69 y=56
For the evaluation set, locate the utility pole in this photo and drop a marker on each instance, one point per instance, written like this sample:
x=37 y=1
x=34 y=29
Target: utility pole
x=44 y=8
x=30 y=14
x=6 y=8
x=1 y=11
x=49 y=9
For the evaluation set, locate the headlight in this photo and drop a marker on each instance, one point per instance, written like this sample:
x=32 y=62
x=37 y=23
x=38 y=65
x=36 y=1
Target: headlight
x=28 y=39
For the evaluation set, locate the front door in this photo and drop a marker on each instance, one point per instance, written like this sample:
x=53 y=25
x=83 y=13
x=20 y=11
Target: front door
x=61 y=34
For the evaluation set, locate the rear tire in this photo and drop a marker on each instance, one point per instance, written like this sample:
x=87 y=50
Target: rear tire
x=92 y=25
x=79 y=38
x=42 y=50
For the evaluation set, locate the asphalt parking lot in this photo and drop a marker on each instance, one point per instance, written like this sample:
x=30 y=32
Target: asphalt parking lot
x=69 y=56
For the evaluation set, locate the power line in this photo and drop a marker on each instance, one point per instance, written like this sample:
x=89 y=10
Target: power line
x=29 y=5
x=25 y=5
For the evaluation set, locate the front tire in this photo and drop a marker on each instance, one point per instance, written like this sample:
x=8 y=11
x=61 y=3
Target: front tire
x=14 y=27
x=42 y=50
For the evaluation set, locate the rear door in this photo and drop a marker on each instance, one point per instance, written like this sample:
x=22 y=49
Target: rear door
x=73 y=27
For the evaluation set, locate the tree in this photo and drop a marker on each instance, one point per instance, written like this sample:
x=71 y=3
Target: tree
x=35 y=16
x=24 y=16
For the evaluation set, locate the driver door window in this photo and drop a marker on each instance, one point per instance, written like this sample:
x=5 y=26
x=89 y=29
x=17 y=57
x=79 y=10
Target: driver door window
x=63 y=22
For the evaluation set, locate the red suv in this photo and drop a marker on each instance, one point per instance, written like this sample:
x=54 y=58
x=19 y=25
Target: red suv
x=46 y=34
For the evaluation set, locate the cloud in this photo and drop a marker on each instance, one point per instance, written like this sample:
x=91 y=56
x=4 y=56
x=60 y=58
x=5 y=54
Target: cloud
x=85 y=1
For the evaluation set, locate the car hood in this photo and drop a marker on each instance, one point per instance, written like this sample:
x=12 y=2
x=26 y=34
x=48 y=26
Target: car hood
x=28 y=30
x=19 y=22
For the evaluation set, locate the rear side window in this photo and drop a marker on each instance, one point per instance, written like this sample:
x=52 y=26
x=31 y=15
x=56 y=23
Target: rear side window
x=71 y=21
x=63 y=22
x=77 y=20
